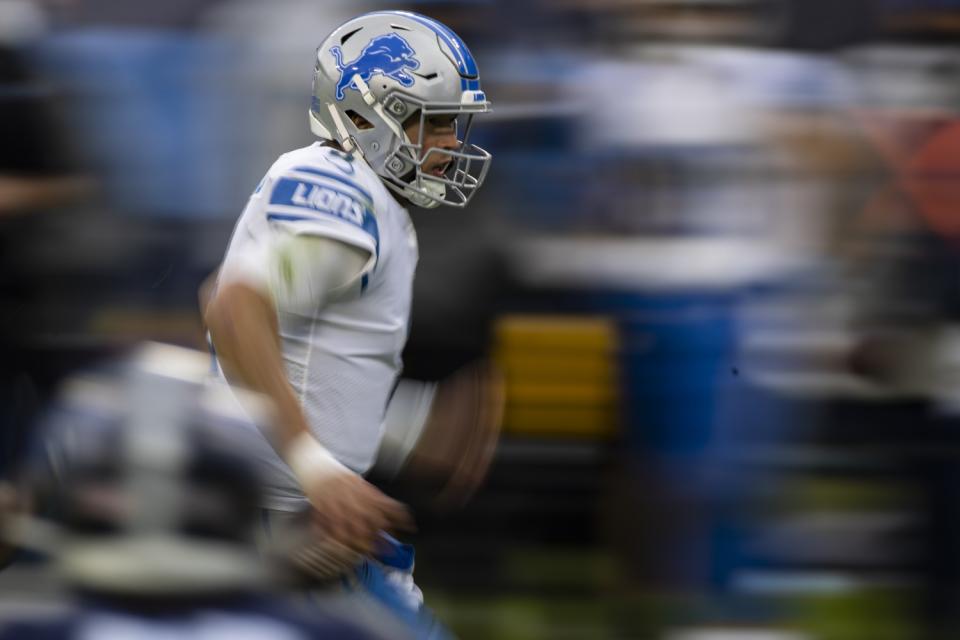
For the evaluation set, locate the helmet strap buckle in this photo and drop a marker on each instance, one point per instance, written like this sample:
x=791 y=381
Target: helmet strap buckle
x=345 y=138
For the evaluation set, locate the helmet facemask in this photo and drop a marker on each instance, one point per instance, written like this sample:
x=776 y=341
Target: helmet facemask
x=404 y=169
x=401 y=167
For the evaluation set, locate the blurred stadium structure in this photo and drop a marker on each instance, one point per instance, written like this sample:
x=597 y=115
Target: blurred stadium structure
x=716 y=258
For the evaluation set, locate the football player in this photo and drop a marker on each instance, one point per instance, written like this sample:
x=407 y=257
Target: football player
x=311 y=303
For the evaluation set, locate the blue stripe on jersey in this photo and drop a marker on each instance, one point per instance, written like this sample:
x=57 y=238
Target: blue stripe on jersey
x=317 y=200
x=340 y=179
x=289 y=217
x=465 y=62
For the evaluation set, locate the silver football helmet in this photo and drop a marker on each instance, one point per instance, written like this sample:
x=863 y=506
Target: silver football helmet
x=385 y=68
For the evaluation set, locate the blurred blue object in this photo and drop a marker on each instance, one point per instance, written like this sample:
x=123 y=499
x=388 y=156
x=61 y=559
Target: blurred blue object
x=152 y=113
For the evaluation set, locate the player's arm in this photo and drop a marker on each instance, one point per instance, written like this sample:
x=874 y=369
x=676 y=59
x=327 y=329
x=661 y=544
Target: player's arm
x=301 y=273
x=298 y=273
x=242 y=321
x=445 y=431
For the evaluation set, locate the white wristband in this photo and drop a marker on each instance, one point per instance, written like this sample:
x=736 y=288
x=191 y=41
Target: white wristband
x=311 y=461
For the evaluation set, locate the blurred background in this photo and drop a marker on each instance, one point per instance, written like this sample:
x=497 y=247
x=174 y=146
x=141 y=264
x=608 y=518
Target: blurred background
x=716 y=257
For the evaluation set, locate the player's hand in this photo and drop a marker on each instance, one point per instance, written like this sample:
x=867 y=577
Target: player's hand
x=349 y=510
x=352 y=512
x=462 y=431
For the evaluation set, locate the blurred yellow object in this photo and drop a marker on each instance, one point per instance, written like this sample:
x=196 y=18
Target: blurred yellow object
x=561 y=375
x=567 y=333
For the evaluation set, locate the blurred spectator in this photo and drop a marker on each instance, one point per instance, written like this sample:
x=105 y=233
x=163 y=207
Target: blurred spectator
x=38 y=179
x=35 y=170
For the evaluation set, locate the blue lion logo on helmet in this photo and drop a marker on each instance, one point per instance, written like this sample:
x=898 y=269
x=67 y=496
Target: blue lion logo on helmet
x=389 y=55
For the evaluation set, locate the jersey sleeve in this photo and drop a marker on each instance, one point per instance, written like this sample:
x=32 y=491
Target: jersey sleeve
x=307 y=235
x=305 y=271
x=322 y=201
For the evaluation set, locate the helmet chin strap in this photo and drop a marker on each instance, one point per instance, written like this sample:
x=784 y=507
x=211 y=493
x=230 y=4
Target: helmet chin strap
x=436 y=190
x=431 y=200
x=345 y=140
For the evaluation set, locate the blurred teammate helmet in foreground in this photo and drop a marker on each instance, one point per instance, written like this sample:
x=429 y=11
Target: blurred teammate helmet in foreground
x=149 y=494
x=386 y=67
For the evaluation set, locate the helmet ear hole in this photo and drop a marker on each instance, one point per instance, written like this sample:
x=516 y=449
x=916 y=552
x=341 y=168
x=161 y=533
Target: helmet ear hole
x=358 y=120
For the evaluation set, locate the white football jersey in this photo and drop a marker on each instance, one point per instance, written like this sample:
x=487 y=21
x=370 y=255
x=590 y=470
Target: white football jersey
x=342 y=358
